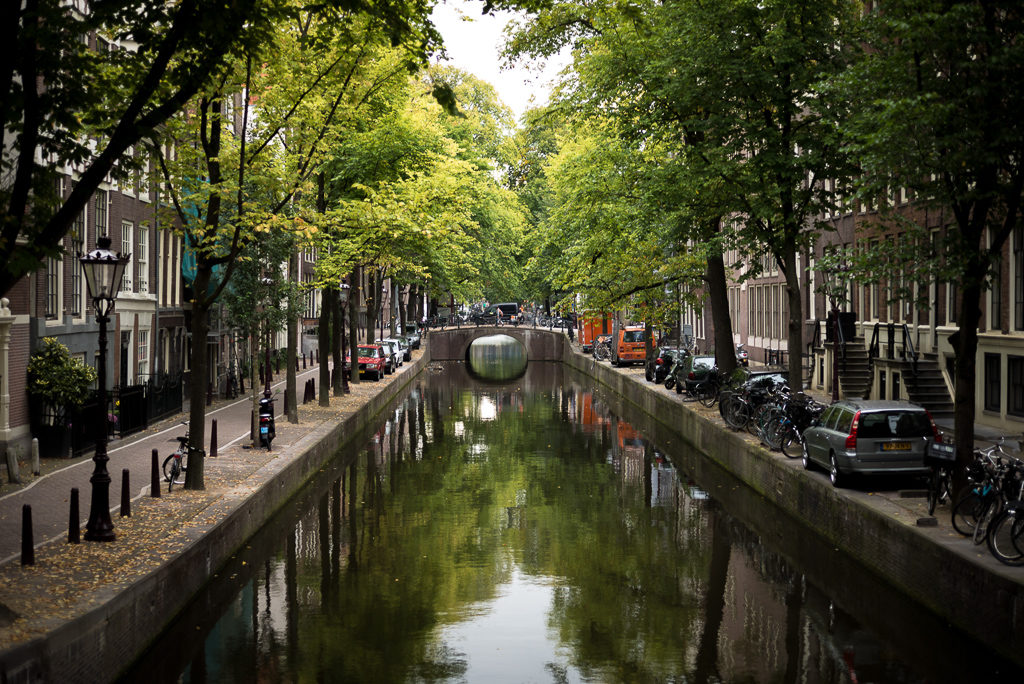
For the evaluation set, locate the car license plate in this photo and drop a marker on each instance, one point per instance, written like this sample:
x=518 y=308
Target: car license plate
x=264 y=430
x=896 y=446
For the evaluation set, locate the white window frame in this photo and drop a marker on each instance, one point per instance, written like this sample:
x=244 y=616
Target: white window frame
x=141 y=258
x=127 y=235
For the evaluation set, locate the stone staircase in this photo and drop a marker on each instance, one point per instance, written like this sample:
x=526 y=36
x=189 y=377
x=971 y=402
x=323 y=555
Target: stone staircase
x=855 y=377
x=927 y=386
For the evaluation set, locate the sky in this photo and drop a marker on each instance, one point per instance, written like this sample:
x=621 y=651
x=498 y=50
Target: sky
x=473 y=46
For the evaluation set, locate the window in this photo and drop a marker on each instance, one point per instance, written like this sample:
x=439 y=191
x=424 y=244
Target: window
x=100 y=208
x=1015 y=385
x=1018 y=278
x=141 y=258
x=993 y=381
x=143 y=355
x=77 y=234
x=127 y=232
x=995 y=313
x=53 y=269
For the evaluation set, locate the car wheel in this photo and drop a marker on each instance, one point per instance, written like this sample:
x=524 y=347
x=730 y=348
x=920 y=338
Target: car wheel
x=834 y=474
x=806 y=458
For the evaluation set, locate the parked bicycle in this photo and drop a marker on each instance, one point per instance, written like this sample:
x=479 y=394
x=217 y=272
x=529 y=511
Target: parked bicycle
x=986 y=495
x=940 y=457
x=603 y=348
x=175 y=465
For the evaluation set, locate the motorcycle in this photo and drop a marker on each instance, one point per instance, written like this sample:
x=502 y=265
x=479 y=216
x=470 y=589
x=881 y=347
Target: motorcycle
x=266 y=419
x=742 y=356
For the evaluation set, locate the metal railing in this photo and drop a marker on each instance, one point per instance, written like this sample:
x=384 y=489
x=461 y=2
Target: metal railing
x=907 y=349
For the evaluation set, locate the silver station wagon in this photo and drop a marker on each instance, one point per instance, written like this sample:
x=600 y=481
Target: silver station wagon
x=860 y=436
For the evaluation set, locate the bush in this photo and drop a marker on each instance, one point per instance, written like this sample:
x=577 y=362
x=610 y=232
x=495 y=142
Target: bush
x=57 y=378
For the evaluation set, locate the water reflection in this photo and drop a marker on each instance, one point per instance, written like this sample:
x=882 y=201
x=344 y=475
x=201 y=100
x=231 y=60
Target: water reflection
x=497 y=357
x=525 y=532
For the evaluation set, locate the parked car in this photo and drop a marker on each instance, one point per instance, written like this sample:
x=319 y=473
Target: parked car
x=404 y=350
x=392 y=355
x=690 y=372
x=412 y=332
x=659 y=367
x=489 y=316
x=861 y=436
x=629 y=348
x=371 y=361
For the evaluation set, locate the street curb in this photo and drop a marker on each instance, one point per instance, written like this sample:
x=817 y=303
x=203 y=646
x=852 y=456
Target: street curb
x=977 y=594
x=100 y=644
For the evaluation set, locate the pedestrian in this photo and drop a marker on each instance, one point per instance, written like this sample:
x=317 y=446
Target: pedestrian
x=499 y=318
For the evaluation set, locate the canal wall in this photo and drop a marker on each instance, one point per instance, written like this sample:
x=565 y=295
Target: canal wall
x=955 y=580
x=98 y=645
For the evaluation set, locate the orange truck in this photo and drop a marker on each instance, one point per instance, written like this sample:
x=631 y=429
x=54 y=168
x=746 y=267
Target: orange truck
x=628 y=345
x=590 y=326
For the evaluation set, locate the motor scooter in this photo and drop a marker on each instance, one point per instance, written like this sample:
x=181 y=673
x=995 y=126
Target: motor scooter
x=742 y=356
x=266 y=419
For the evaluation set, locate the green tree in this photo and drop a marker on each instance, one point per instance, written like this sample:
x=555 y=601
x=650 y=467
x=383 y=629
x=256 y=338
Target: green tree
x=230 y=179
x=730 y=89
x=935 y=103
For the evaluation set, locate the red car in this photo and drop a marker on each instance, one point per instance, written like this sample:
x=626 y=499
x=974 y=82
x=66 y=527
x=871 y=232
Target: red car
x=372 y=360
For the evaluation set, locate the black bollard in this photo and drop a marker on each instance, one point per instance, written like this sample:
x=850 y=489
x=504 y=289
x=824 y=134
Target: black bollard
x=213 y=438
x=241 y=384
x=28 y=548
x=303 y=360
x=296 y=363
x=126 y=495
x=154 y=478
x=74 y=520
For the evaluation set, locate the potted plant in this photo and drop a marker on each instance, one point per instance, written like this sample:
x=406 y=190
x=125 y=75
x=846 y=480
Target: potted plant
x=56 y=383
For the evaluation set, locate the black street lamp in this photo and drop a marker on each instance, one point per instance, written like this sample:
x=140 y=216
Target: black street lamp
x=103 y=271
x=832 y=284
x=343 y=292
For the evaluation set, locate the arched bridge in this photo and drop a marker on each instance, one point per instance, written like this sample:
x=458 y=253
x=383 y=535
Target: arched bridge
x=452 y=344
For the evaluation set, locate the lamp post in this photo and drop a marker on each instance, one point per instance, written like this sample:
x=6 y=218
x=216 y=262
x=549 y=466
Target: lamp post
x=343 y=292
x=103 y=270
x=832 y=284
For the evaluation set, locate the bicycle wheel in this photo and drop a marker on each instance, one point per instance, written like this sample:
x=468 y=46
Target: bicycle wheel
x=984 y=520
x=966 y=513
x=1004 y=537
x=174 y=473
x=708 y=394
x=933 y=488
x=166 y=467
x=756 y=421
x=790 y=442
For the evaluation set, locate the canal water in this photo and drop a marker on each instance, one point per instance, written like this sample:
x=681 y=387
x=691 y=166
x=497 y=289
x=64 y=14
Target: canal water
x=535 y=531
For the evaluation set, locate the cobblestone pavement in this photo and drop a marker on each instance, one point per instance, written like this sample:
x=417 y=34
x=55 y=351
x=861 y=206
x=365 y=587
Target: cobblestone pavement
x=67 y=580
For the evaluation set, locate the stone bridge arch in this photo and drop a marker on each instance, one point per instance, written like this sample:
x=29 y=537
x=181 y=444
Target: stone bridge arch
x=452 y=344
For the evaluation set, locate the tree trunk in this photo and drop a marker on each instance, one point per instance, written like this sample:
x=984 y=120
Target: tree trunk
x=372 y=304
x=796 y=321
x=292 y=354
x=337 y=330
x=323 y=340
x=194 y=476
x=353 y=324
x=966 y=346
x=718 y=297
